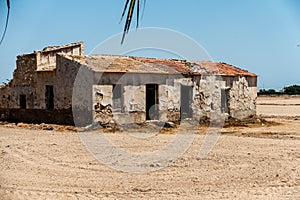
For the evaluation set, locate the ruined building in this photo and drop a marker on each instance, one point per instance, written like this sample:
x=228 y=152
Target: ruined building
x=60 y=84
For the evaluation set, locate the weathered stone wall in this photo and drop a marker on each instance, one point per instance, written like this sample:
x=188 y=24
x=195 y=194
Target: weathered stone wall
x=207 y=98
x=66 y=72
x=33 y=72
x=170 y=98
x=23 y=83
x=133 y=105
x=5 y=96
x=43 y=79
x=242 y=98
x=25 y=73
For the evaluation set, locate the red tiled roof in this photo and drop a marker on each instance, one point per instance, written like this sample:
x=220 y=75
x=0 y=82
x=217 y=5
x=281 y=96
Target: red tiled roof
x=223 y=69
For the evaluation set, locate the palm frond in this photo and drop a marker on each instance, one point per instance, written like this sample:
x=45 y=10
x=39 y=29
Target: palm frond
x=7 y=19
x=130 y=5
x=138 y=13
x=125 y=8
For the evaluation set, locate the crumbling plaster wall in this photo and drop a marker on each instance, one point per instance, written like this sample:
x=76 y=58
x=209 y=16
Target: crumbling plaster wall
x=242 y=97
x=207 y=97
x=133 y=108
x=134 y=98
x=170 y=98
x=134 y=93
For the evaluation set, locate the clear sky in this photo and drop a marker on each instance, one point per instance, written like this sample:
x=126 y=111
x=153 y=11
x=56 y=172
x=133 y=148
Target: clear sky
x=258 y=35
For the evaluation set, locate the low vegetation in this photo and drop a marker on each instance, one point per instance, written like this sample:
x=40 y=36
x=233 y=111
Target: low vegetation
x=289 y=90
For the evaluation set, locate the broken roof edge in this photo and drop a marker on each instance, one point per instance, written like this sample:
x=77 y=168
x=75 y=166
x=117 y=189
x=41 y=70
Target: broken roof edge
x=77 y=58
x=245 y=70
x=224 y=69
x=53 y=48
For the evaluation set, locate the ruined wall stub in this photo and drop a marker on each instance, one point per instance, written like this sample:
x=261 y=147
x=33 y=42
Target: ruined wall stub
x=23 y=83
x=46 y=59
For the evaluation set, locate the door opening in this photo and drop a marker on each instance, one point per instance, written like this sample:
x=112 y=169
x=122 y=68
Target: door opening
x=152 y=102
x=23 y=101
x=224 y=100
x=49 y=97
x=186 y=102
x=117 y=99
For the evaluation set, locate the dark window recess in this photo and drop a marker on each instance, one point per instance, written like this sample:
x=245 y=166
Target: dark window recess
x=23 y=101
x=152 y=102
x=186 y=102
x=49 y=97
x=117 y=98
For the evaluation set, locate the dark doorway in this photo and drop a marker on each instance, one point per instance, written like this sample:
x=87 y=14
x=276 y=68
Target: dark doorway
x=23 y=101
x=186 y=102
x=117 y=98
x=49 y=97
x=224 y=100
x=151 y=102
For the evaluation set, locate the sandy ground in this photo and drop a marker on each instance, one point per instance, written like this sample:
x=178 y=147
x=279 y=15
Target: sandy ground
x=279 y=106
x=260 y=161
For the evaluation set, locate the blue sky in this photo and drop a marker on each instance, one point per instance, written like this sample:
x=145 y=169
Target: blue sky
x=258 y=35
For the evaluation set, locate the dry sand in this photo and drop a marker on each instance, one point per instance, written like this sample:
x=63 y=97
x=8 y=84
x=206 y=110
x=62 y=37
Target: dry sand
x=254 y=162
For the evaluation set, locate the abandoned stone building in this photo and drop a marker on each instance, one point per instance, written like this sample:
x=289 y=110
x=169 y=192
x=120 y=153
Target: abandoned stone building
x=60 y=84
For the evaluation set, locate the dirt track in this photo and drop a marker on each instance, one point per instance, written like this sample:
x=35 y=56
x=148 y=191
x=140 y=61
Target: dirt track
x=257 y=162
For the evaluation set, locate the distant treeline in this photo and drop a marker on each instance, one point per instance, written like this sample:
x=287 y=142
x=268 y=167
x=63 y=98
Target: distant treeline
x=289 y=90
